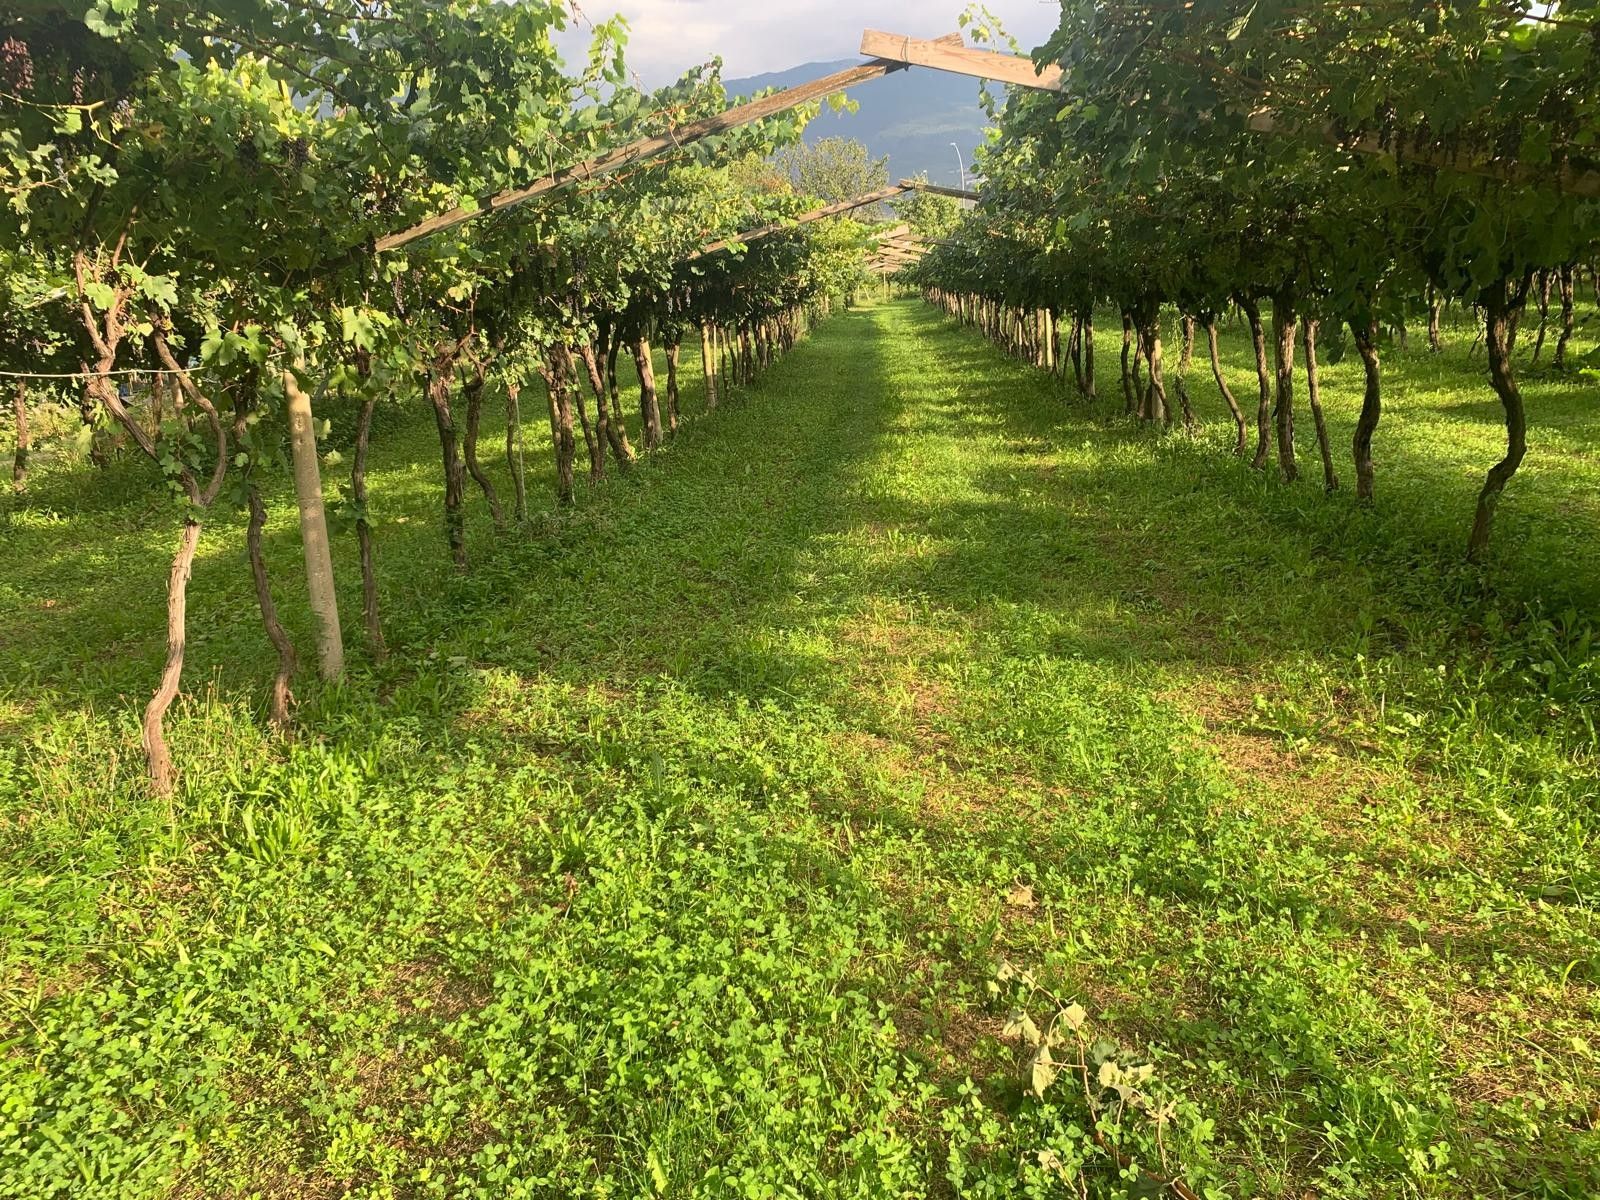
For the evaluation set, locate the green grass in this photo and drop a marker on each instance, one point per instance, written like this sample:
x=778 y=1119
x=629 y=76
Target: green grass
x=677 y=847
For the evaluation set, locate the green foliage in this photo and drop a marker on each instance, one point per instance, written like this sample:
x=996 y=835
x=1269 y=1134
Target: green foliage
x=834 y=169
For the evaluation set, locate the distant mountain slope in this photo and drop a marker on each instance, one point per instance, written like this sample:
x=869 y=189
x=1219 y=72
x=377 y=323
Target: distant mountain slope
x=912 y=116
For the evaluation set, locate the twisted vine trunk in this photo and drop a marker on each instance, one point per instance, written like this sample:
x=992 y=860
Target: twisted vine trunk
x=673 y=345
x=1501 y=303
x=19 y=459
x=594 y=443
x=1283 y=330
x=1222 y=386
x=604 y=434
x=519 y=479
x=281 y=695
x=455 y=528
x=1155 y=407
x=1127 y=375
x=1365 y=335
x=1258 y=340
x=1435 y=315
x=472 y=387
x=557 y=385
x=1560 y=359
x=1187 y=357
x=1546 y=279
x=1308 y=342
x=163 y=778
x=1086 y=344
x=649 y=400
x=358 y=493
x=619 y=425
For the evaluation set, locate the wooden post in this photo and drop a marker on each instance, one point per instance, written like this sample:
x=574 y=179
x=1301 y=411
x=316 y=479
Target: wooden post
x=313 y=526
x=708 y=366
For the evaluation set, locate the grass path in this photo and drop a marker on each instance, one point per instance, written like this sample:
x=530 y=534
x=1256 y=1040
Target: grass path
x=676 y=851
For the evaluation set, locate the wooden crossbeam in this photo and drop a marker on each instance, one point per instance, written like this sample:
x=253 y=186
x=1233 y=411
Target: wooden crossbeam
x=922 y=185
x=942 y=55
x=816 y=214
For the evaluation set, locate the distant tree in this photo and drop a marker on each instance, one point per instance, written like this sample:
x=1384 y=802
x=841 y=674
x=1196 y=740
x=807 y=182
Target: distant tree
x=930 y=216
x=834 y=169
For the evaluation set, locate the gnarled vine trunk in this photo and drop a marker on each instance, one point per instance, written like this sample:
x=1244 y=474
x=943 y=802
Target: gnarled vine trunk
x=557 y=385
x=472 y=387
x=1283 y=330
x=1308 y=342
x=604 y=434
x=1565 y=336
x=1501 y=303
x=519 y=477
x=1086 y=343
x=1364 y=332
x=153 y=735
x=649 y=400
x=619 y=424
x=1222 y=385
x=1127 y=373
x=1258 y=341
x=19 y=459
x=438 y=388
x=673 y=345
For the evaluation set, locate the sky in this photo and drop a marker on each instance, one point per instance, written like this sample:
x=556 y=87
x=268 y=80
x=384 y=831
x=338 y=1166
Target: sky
x=756 y=36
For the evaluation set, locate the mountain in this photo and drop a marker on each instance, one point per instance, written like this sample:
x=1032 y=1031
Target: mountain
x=912 y=116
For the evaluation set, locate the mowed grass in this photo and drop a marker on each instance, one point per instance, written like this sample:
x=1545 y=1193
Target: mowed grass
x=675 y=850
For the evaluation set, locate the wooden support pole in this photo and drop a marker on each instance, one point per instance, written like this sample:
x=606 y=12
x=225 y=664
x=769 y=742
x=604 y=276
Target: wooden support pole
x=922 y=185
x=314 y=527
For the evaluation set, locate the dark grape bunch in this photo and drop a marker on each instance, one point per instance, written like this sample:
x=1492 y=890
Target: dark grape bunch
x=16 y=67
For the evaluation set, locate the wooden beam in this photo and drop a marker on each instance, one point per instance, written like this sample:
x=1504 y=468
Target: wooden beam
x=646 y=148
x=922 y=185
x=962 y=60
x=816 y=214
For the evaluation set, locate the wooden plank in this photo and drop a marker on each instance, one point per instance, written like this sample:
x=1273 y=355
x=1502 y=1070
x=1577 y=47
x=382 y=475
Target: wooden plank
x=646 y=148
x=923 y=185
x=941 y=55
x=816 y=214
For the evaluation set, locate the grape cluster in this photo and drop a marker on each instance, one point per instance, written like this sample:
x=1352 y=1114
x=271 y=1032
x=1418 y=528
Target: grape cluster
x=16 y=67
x=298 y=151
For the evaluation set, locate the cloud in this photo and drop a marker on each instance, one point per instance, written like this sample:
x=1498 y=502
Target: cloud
x=668 y=36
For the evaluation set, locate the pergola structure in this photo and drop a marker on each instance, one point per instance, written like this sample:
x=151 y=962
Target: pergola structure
x=890 y=52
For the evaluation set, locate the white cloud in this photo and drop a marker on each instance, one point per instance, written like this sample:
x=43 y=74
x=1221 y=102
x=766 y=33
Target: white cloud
x=668 y=36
